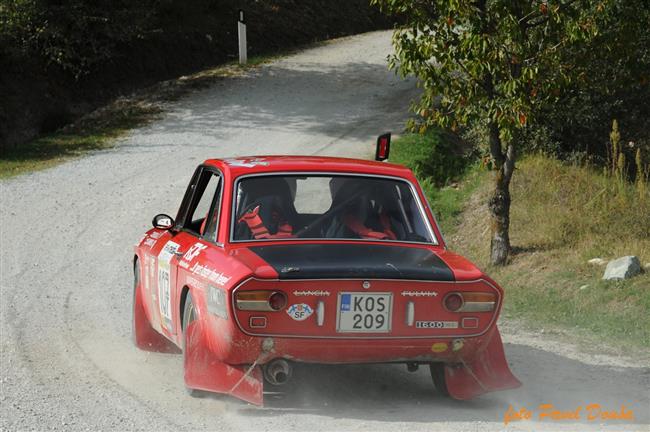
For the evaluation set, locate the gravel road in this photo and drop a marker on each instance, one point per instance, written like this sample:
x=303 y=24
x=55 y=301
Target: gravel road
x=67 y=361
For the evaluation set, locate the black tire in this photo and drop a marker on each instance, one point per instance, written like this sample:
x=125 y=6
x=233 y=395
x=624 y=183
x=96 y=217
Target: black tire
x=189 y=315
x=136 y=281
x=438 y=376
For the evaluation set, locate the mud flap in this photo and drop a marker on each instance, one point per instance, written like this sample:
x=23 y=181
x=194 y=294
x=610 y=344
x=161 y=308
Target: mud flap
x=204 y=372
x=487 y=372
x=144 y=336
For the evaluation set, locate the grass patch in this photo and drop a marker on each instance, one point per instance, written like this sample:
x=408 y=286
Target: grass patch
x=562 y=215
x=93 y=132
x=100 y=129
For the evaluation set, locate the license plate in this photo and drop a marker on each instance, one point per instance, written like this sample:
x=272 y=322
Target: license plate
x=364 y=312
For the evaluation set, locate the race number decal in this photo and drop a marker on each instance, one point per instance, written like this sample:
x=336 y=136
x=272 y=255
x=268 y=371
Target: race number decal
x=164 y=286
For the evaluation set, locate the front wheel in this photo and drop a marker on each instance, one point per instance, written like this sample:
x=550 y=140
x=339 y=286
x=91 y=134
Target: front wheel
x=438 y=376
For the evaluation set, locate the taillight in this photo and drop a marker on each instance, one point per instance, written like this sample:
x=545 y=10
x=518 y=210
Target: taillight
x=470 y=302
x=260 y=300
x=278 y=300
x=478 y=302
x=453 y=302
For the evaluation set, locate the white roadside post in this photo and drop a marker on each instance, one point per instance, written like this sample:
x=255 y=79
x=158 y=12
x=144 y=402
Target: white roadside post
x=241 y=32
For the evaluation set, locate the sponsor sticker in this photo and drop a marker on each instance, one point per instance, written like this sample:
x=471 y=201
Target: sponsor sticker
x=439 y=347
x=300 y=311
x=419 y=294
x=212 y=275
x=246 y=163
x=217 y=302
x=194 y=282
x=151 y=271
x=164 y=285
x=436 y=324
x=317 y=293
x=194 y=251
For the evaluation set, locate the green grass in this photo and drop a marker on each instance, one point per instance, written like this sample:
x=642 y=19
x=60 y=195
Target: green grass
x=561 y=216
x=616 y=312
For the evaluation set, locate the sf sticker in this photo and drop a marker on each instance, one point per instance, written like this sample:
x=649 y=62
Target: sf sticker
x=164 y=285
x=300 y=312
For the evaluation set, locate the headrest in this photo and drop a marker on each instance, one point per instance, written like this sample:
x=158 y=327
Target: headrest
x=259 y=187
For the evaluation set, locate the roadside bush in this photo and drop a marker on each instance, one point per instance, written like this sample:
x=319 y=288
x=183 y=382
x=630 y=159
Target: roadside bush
x=440 y=160
x=614 y=84
x=437 y=156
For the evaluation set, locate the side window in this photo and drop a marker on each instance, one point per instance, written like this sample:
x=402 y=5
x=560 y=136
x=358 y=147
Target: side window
x=204 y=209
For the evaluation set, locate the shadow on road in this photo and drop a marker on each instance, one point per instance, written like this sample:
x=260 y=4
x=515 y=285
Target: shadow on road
x=307 y=99
x=389 y=393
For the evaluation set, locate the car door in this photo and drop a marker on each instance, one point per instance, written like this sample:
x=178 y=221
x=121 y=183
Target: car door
x=195 y=229
x=198 y=233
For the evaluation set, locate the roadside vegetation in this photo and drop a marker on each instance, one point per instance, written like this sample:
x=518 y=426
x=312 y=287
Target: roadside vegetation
x=548 y=179
x=447 y=172
x=563 y=215
x=60 y=60
x=520 y=74
x=101 y=128
x=95 y=132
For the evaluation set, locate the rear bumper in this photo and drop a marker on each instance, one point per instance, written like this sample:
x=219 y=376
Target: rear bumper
x=338 y=351
x=231 y=362
x=230 y=345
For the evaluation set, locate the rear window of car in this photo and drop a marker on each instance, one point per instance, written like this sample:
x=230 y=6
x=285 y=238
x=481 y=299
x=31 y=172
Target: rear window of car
x=286 y=207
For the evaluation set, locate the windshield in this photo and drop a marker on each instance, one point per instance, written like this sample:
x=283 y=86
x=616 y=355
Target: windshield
x=276 y=207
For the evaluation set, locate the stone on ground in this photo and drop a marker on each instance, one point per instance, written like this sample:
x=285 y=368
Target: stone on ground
x=622 y=268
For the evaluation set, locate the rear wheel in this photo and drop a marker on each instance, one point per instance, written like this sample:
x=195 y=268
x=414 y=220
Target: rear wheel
x=189 y=315
x=438 y=376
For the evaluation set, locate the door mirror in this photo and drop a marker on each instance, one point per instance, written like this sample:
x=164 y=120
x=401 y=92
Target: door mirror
x=162 y=221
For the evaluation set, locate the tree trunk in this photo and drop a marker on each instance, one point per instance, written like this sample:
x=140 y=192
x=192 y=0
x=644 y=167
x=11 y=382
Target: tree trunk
x=499 y=203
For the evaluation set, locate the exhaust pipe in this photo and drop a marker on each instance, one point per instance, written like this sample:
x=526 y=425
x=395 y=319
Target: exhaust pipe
x=277 y=372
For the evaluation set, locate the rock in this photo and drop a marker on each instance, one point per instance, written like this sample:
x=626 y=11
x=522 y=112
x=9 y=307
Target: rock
x=597 y=261
x=647 y=266
x=584 y=287
x=622 y=268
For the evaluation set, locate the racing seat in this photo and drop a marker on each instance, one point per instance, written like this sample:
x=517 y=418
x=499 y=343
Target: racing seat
x=266 y=209
x=361 y=214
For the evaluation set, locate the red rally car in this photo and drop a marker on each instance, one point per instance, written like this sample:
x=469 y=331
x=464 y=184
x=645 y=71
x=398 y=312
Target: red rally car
x=283 y=259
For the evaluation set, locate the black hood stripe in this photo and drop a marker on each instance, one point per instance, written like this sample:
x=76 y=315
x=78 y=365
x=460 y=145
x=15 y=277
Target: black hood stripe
x=351 y=261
